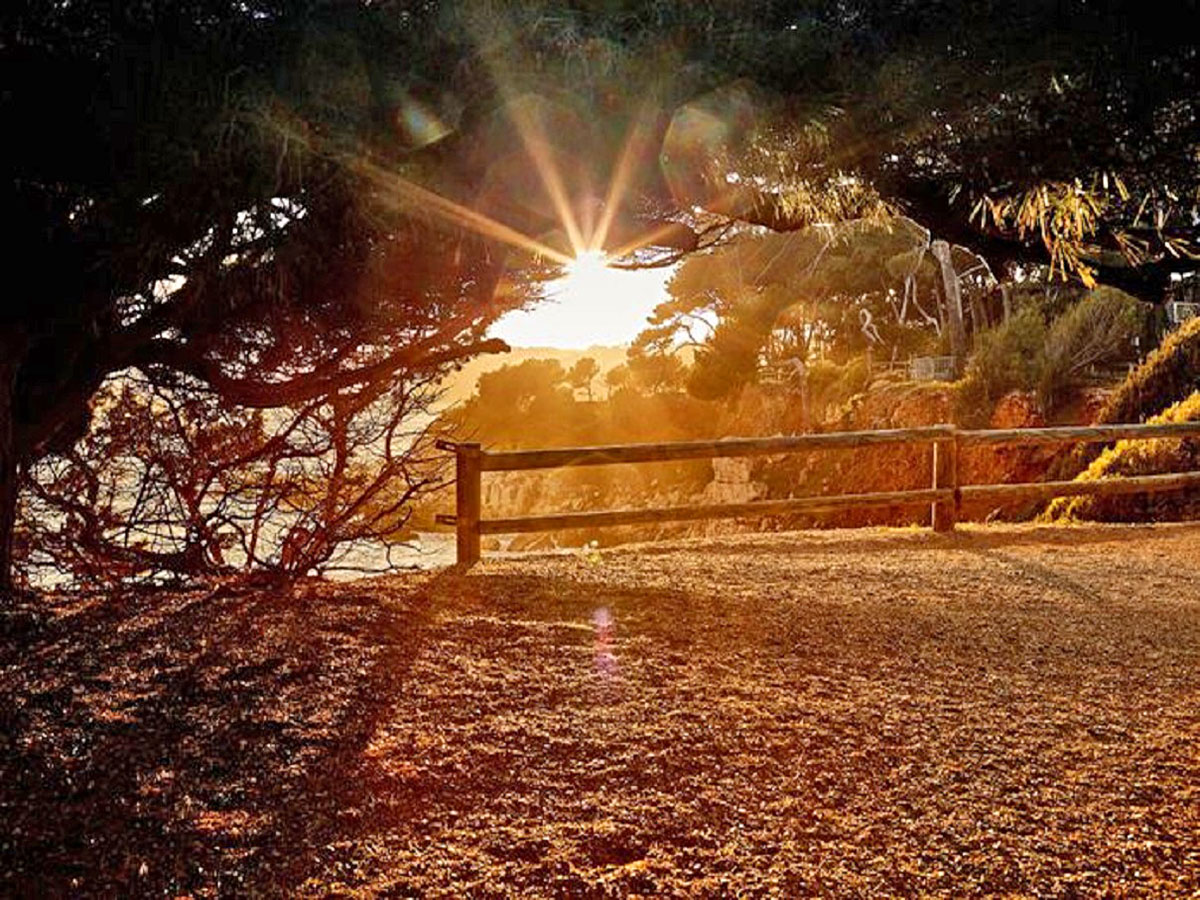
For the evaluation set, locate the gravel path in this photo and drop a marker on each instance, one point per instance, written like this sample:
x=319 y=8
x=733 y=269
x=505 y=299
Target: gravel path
x=1008 y=711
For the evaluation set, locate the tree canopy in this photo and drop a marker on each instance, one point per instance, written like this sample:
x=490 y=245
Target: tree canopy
x=284 y=201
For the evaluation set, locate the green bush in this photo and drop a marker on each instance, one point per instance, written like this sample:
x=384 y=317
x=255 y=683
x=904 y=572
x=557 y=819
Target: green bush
x=1024 y=354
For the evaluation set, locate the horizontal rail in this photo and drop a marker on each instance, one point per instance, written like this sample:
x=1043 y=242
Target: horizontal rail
x=554 y=458
x=945 y=495
x=1077 y=433
x=1045 y=490
x=508 y=461
x=561 y=521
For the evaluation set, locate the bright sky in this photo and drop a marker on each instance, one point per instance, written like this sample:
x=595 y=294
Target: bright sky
x=590 y=305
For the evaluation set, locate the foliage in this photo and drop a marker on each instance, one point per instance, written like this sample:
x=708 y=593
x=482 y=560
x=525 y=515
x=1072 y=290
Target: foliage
x=1009 y=357
x=616 y=378
x=206 y=205
x=1140 y=457
x=534 y=404
x=284 y=200
x=654 y=372
x=582 y=374
x=1059 y=134
x=1170 y=373
x=832 y=385
x=1098 y=330
x=175 y=483
x=519 y=388
x=1025 y=354
x=835 y=291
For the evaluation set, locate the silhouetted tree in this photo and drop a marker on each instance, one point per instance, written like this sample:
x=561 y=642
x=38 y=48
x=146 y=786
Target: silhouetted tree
x=273 y=199
x=616 y=378
x=203 y=192
x=176 y=483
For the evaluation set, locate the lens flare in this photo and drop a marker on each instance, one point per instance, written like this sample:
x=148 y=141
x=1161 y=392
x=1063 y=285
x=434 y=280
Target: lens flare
x=419 y=123
x=606 y=659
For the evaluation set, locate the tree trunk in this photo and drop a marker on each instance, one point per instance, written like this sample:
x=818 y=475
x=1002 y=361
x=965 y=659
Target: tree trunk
x=8 y=471
x=954 y=306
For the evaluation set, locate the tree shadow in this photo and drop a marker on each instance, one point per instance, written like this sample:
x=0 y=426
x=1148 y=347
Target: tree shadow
x=1043 y=575
x=219 y=741
x=223 y=742
x=206 y=741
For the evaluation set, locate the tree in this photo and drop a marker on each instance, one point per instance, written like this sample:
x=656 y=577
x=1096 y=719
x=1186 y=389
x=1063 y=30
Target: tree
x=837 y=289
x=212 y=203
x=616 y=379
x=531 y=403
x=517 y=388
x=286 y=201
x=582 y=374
x=654 y=372
x=1041 y=134
x=1098 y=330
x=174 y=483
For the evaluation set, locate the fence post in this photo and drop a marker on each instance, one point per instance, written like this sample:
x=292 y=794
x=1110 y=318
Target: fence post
x=956 y=478
x=944 y=514
x=468 y=495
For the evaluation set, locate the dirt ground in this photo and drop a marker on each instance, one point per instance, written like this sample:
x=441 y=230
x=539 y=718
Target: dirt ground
x=1009 y=711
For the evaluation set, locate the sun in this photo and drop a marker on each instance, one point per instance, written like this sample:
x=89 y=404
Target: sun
x=593 y=303
x=587 y=278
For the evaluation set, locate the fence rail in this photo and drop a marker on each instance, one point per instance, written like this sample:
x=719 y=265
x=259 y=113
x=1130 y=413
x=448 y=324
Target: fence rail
x=945 y=494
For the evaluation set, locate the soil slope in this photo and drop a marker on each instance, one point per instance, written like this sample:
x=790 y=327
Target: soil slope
x=1009 y=711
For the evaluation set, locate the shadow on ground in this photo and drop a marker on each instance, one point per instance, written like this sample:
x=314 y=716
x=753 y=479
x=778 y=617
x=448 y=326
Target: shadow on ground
x=170 y=743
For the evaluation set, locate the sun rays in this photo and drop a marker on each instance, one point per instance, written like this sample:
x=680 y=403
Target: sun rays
x=586 y=230
x=585 y=244
x=596 y=300
x=412 y=195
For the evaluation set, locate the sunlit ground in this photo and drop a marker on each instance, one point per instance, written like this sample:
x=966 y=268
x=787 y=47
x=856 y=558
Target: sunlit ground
x=1009 y=711
x=590 y=304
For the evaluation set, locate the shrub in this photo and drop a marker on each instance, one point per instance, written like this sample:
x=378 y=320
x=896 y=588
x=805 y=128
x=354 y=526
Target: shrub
x=1141 y=457
x=1169 y=374
x=1098 y=330
x=1009 y=357
x=831 y=385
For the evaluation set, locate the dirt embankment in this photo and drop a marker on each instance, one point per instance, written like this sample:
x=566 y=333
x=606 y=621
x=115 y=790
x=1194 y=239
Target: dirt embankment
x=900 y=467
x=865 y=470
x=1009 y=711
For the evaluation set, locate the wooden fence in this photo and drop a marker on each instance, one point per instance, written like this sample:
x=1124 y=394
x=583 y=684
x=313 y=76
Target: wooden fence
x=945 y=494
